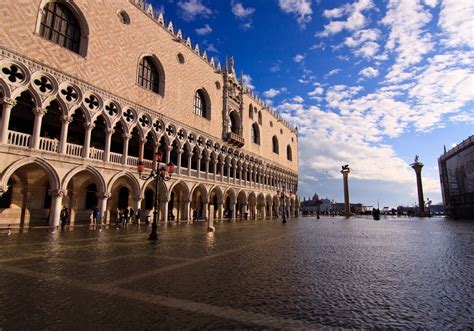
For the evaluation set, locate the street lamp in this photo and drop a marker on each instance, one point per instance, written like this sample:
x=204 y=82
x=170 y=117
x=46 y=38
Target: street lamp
x=159 y=174
x=282 y=195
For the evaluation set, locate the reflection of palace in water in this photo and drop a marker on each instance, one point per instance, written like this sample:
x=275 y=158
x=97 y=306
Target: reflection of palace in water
x=456 y=168
x=91 y=89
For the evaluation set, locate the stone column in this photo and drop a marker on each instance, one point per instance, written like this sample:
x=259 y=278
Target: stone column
x=234 y=168
x=207 y=167
x=138 y=204
x=141 y=149
x=204 y=209
x=210 y=220
x=234 y=211
x=126 y=138
x=215 y=169
x=7 y=105
x=178 y=166
x=240 y=175
x=199 y=166
x=164 y=210
x=56 y=204
x=222 y=171
x=87 y=139
x=39 y=113
x=417 y=166
x=220 y=210
x=186 y=210
x=102 y=204
x=168 y=154
x=72 y=209
x=65 y=120
x=189 y=163
x=347 y=205
x=108 y=140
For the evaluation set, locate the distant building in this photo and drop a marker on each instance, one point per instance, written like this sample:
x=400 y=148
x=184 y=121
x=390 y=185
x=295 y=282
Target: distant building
x=310 y=206
x=456 y=171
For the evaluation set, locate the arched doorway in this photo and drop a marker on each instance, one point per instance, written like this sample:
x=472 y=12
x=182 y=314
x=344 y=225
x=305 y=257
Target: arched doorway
x=199 y=203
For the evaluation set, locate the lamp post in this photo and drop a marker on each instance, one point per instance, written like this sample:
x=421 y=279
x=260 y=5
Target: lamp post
x=159 y=174
x=282 y=195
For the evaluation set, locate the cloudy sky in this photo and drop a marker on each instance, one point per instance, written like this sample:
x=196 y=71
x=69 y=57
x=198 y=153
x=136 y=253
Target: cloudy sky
x=368 y=83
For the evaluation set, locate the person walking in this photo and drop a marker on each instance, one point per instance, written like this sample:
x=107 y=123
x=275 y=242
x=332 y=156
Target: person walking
x=64 y=217
x=95 y=215
x=131 y=215
x=137 y=215
x=125 y=216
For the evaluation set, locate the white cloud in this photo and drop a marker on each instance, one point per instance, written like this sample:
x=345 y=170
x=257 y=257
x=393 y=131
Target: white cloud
x=275 y=67
x=406 y=20
x=298 y=58
x=206 y=29
x=271 y=93
x=355 y=19
x=369 y=72
x=332 y=73
x=247 y=80
x=318 y=90
x=431 y=3
x=191 y=9
x=300 y=8
x=241 y=12
x=297 y=99
x=456 y=20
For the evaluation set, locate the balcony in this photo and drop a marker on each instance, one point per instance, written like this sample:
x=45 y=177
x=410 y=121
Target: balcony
x=235 y=139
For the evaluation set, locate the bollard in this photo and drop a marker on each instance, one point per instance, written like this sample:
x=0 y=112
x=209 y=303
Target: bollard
x=210 y=218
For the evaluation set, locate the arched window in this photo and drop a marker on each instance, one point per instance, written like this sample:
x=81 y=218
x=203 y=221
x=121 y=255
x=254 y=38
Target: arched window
x=201 y=104
x=251 y=111
x=255 y=134
x=260 y=117
x=148 y=76
x=275 y=145
x=60 y=25
x=289 y=155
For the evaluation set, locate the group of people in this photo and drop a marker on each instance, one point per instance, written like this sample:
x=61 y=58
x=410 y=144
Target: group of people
x=127 y=215
x=64 y=216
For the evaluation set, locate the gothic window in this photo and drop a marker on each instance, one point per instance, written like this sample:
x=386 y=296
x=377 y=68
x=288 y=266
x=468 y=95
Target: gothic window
x=260 y=117
x=60 y=25
x=234 y=122
x=275 y=145
x=255 y=133
x=201 y=105
x=148 y=76
x=251 y=111
x=289 y=155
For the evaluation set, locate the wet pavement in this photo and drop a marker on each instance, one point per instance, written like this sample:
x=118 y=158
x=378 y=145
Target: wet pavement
x=308 y=273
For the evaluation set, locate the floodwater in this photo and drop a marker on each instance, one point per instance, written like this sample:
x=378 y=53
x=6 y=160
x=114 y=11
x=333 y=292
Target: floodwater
x=308 y=274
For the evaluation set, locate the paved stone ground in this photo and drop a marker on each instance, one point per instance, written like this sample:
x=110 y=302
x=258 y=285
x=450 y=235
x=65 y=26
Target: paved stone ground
x=245 y=275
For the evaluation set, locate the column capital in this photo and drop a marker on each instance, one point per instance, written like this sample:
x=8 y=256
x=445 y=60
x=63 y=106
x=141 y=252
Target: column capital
x=58 y=193
x=66 y=119
x=109 y=130
x=39 y=111
x=104 y=195
x=126 y=136
x=8 y=102
x=89 y=125
x=143 y=140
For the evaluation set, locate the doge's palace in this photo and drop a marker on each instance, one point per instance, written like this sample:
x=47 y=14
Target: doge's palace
x=89 y=90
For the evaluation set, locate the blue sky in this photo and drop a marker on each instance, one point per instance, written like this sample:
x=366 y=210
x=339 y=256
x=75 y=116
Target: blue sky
x=368 y=83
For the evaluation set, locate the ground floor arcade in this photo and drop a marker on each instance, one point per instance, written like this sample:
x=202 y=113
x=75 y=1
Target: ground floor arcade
x=35 y=189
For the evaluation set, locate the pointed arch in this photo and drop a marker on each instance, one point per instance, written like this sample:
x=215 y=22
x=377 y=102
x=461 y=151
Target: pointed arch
x=255 y=134
x=133 y=181
x=275 y=146
x=289 y=155
x=202 y=103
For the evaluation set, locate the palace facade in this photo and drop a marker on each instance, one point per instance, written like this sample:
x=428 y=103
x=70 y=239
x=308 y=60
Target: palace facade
x=91 y=89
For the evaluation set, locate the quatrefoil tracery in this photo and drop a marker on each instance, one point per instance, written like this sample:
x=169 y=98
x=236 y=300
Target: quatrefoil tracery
x=129 y=115
x=44 y=84
x=14 y=73
x=70 y=94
